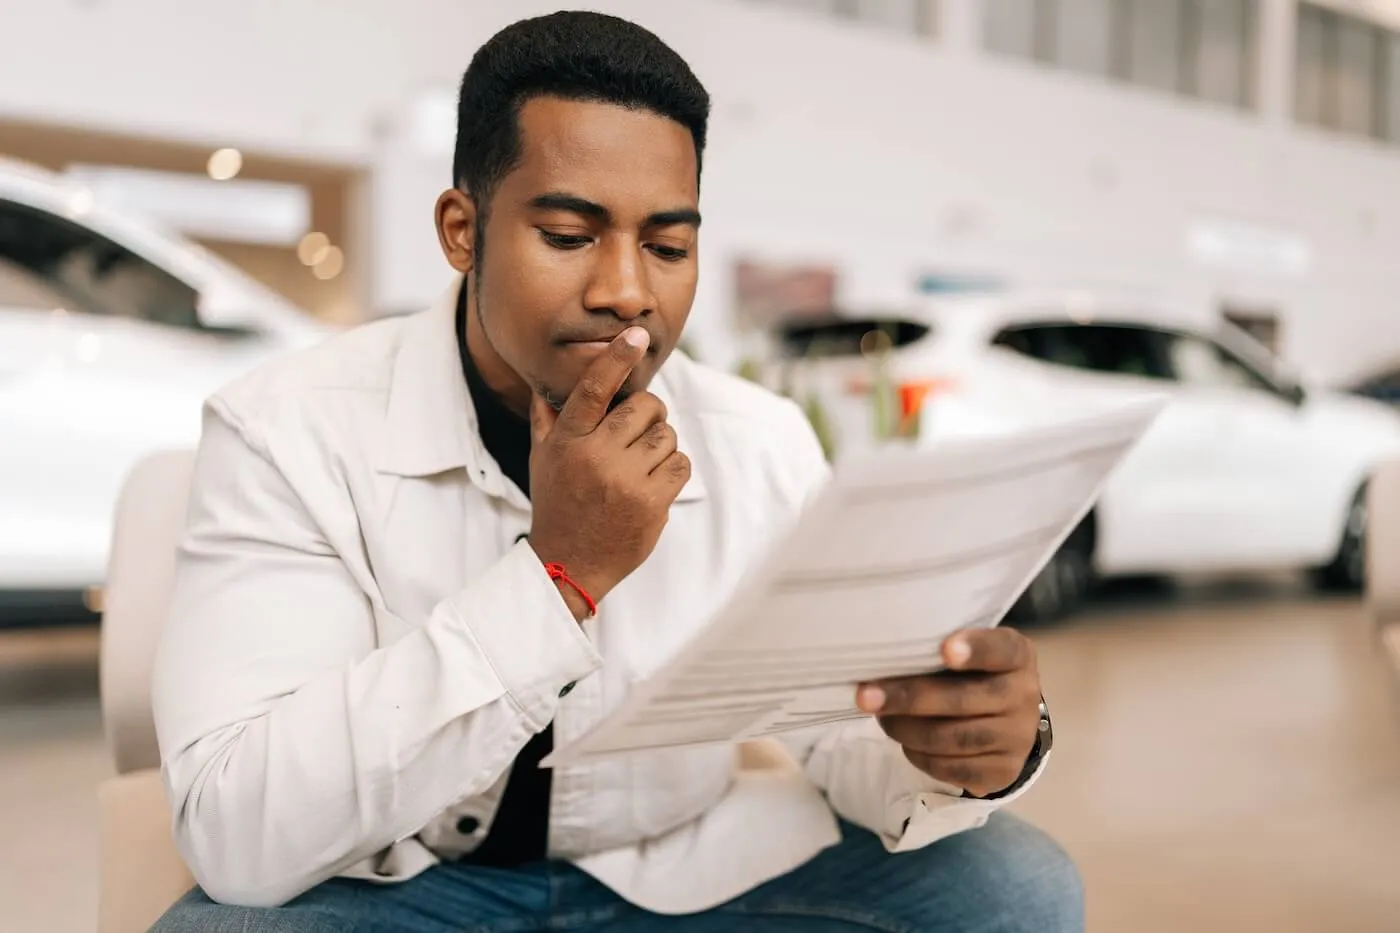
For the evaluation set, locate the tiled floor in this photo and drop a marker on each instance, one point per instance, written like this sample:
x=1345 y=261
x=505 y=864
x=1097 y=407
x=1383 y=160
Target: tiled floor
x=1226 y=761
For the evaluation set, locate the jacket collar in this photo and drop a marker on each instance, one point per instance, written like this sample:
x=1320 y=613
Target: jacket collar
x=430 y=422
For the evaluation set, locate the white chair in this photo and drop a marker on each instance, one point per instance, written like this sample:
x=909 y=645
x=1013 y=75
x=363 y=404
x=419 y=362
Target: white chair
x=141 y=871
x=1383 y=557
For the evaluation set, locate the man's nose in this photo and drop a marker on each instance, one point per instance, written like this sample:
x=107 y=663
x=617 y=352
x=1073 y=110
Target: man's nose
x=620 y=283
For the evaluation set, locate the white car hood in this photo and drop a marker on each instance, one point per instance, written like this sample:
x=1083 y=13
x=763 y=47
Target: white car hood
x=1349 y=418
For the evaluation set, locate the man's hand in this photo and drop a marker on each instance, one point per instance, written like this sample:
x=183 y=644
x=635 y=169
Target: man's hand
x=973 y=725
x=602 y=482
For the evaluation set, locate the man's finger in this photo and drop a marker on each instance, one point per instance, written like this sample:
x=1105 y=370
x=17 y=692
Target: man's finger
x=946 y=694
x=634 y=417
x=949 y=738
x=980 y=775
x=656 y=445
x=542 y=418
x=674 y=472
x=587 y=405
x=991 y=649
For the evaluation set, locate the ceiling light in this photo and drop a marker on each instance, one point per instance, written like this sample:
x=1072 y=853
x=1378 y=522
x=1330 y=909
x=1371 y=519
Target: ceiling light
x=225 y=164
x=330 y=265
x=313 y=248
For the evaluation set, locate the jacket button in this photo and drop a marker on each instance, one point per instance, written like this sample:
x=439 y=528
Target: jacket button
x=568 y=688
x=468 y=825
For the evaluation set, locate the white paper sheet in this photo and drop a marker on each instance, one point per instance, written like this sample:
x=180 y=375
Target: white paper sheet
x=895 y=554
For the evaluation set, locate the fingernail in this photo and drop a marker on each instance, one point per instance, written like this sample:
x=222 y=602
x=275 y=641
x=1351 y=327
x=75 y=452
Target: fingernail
x=637 y=337
x=958 y=653
x=871 y=699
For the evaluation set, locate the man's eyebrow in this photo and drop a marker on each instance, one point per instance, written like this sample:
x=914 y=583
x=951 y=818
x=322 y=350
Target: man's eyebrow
x=563 y=201
x=559 y=201
x=681 y=215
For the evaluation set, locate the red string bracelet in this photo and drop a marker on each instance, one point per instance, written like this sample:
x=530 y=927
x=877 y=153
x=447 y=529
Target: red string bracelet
x=557 y=572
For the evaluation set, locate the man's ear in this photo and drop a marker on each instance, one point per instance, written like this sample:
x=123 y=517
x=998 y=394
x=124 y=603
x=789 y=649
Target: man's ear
x=456 y=227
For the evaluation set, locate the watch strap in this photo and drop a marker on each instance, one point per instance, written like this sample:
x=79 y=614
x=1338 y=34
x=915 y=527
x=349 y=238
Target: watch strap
x=1044 y=738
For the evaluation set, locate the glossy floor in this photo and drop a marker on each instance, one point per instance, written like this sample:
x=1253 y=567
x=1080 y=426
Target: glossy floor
x=1226 y=760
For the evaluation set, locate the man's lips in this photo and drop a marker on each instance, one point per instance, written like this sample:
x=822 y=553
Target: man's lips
x=598 y=343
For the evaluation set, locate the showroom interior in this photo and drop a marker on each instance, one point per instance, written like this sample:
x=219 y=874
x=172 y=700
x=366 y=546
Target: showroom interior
x=921 y=216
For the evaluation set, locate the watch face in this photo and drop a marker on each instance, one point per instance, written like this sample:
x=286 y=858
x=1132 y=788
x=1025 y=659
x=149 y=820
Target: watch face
x=1045 y=736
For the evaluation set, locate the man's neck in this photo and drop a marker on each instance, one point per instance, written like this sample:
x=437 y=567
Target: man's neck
x=503 y=382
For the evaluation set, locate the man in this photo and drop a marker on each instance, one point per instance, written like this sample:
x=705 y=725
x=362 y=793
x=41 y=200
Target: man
x=420 y=554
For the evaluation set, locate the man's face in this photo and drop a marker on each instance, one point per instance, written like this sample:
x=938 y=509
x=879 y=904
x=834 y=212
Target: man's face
x=596 y=229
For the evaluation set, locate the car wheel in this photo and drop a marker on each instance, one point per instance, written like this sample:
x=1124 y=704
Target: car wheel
x=1063 y=583
x=1347 y=571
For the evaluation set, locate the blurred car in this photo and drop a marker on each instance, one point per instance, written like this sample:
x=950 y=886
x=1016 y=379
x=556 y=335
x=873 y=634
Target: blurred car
x=1382 y=386
x=1245 y=470
x=112 y=334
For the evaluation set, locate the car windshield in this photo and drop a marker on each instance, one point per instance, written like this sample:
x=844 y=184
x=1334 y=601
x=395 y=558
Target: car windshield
x=90 y=273
x=833 y=336
x=1241 y=343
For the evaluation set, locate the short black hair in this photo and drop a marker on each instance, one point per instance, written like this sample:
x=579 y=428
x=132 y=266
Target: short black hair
x=574 y=55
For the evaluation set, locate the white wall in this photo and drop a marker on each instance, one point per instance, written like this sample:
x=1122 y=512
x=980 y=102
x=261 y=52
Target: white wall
x=887 y=154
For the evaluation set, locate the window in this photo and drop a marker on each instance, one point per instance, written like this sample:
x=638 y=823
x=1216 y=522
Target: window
x=1347 y=74
x=20 y=288
x=1310 y=95
x=1390 y=109
x=1199 y=48
x=85 y=272
x=1384 y=386
x=1084 y=36
x=828 y=7
x=828 y=338
x=1121 y=350
x=1223 y=64
x=1358 y=55
x=915 y=17
x=1155 y=44
x=1012 y=27
x=1198 y=362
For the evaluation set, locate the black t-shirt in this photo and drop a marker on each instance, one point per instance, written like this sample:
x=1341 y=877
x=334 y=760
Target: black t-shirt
x=520 y=832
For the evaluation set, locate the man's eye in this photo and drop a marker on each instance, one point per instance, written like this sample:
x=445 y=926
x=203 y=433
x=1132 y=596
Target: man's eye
x=565 y=240
x=669 y=253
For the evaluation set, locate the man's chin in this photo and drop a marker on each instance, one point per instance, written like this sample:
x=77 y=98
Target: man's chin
x=556 y=398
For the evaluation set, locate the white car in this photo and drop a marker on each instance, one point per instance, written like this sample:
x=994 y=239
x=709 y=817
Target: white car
x=1245 y=470
x=112 y=334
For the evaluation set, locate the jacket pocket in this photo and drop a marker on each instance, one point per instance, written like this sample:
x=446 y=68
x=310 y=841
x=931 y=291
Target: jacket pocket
x=677 y=786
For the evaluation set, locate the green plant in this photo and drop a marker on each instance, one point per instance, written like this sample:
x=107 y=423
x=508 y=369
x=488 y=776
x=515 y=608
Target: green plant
x=821 y=424
x=749 y=369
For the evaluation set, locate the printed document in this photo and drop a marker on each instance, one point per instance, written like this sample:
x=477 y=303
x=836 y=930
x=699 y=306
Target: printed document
x=897 y=552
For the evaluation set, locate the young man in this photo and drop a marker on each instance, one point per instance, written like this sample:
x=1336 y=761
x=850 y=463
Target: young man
x=421 y=553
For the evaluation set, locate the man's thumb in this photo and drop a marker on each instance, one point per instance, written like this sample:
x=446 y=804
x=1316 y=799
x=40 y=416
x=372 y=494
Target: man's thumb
x=542 y=417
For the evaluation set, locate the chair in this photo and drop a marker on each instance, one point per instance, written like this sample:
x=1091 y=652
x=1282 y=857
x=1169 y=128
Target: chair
x=141 y=871
x=1383 y=558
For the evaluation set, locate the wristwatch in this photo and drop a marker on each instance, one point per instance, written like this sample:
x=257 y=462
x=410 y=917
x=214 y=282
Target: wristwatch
x=1044 y=738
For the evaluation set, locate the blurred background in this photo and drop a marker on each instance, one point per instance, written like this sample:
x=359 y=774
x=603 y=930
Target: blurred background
x=924 y=219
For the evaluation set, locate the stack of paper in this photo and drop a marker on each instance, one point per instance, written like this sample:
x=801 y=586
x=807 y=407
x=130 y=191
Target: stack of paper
x=897 y=552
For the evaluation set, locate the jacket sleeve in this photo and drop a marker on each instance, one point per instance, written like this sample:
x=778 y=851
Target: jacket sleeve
x=294 y=745
x=863 y=773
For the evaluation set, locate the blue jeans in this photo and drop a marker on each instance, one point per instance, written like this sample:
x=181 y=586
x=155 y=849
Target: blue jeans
x=1006 y=877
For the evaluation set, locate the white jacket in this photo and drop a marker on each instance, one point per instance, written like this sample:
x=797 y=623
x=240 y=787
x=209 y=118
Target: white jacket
x=361 y=641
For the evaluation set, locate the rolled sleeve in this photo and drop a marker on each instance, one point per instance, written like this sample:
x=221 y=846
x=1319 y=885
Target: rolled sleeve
x=868 y=781
x=928 y=815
